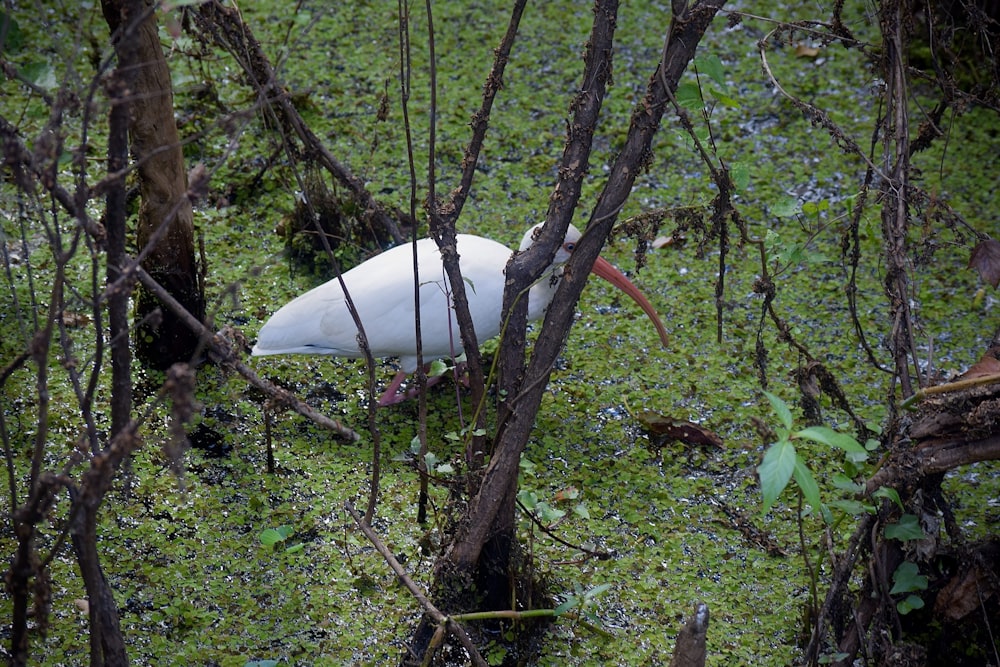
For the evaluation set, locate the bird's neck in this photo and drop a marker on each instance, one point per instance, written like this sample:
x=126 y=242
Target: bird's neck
x=541 y=293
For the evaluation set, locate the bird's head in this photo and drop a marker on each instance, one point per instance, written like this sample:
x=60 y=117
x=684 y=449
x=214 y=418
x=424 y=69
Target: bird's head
x=565 y=250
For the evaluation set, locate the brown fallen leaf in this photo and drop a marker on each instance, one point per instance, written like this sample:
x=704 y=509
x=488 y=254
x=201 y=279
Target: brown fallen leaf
x=987 y=365
x=963 y=594
x=667 y=428
x=985 y=258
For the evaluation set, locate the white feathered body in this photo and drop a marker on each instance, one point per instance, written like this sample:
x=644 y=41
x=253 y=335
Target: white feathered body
x=319 y=321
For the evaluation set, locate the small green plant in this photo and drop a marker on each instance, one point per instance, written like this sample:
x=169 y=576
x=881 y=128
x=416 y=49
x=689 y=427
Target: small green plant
x=907 y=579
x=271 y=537
x=782 y=462
x=545 y=511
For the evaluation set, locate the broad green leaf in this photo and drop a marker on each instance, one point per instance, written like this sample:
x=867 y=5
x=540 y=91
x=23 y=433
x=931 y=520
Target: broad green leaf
x=775 y=471
x=845 y=483
x=438 y=368
x=14 y=39
x=909 y=604
x=269 y=537
x=907 y=578
x=780 y=409
x=786 y=207
x=688 y=96
x=547 y=513
x=907 y=528
x=852 y=507
x=807 y=484
x=739 y=174
x=711 y=65
x=581 y=511
x=528 y=498
x=41 y=74
x=827 y=436
x=890 y=493
x=527 y=466
x=726 y=100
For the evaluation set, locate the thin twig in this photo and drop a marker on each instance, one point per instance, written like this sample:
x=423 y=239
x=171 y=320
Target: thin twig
x=440 y=618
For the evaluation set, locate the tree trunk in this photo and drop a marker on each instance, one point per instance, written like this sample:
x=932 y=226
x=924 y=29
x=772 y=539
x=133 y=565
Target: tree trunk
x=166 y=219
x=477 y=566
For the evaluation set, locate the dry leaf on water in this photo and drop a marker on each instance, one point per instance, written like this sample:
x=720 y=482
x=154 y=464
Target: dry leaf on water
x=668 y=428
x=985 y=258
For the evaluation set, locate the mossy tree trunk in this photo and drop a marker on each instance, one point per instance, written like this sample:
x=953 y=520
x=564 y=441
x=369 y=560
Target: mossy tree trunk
x=165 y=232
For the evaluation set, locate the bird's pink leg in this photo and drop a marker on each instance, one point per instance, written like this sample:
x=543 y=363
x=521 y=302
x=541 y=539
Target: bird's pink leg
x=412 y=393
x=391 y=395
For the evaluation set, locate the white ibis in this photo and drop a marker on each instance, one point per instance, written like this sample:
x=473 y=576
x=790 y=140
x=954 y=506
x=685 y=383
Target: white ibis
x=319 y=321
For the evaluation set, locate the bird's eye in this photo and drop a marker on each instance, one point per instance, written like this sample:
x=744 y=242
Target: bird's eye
x=569 y=246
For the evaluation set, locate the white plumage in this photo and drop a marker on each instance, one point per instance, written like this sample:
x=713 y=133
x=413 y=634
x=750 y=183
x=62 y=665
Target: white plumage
x=319 y=321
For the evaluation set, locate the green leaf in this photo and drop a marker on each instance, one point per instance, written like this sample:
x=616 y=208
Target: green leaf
x=581 y=511
x=41 y=74
x=438 y=368
x=270 y=537
x=739 y=174
x=688 y=96
x=775 y=471
x=295 y=547
x=807 y=484
x=600 y=589
x=907 y=528
x=909 y=604
x=445 y=469
x=907 y=578
x=780 y=409
x=14 y=39
x=725 y=100
x=547 y=513
x=845 y=483
x=711 y=65
x=786 y=207
x=528 y=498
x=527 y=466
x=890 y=493
x=852 y=507
x=571 y=601
x=827 y=436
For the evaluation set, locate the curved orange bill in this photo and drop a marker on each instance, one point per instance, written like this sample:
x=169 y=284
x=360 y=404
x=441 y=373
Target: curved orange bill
x=604 y=269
